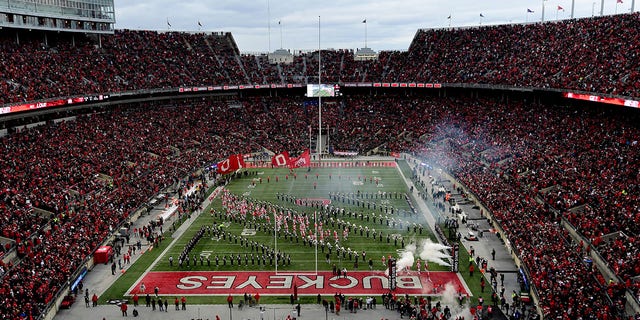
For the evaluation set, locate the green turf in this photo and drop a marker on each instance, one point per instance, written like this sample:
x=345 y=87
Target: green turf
x=326 y=180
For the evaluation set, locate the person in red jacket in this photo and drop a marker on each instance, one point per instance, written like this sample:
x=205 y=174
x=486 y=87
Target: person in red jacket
x=135 y=299
x=123 y=308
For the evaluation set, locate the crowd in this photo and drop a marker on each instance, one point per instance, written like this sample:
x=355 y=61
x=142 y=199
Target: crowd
x=65 y=186
x=591 y=54
x=511 y=155
x=581 y=54
x=59 y=179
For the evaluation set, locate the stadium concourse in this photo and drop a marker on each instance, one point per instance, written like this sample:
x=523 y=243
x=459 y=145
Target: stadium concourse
x=101 y=277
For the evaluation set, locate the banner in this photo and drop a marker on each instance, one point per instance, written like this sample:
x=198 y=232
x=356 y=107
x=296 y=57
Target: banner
x=346 y=153
x=455 y=255
x=230 y=165
x=392 y=274
x=280 y=159
x=304 y=160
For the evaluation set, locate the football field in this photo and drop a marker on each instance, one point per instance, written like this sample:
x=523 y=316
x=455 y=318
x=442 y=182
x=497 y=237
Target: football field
x=274 y=232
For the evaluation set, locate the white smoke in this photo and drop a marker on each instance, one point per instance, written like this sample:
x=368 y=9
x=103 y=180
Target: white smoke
x=433 y=252
x=406 y=258
x=450 y=297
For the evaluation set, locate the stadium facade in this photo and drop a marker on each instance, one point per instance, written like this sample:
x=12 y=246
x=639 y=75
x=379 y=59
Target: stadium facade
x=86 y=16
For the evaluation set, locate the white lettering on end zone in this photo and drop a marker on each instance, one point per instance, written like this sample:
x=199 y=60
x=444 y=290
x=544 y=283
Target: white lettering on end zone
x=252 y=282
x=353 y=282
x=318 y=282
x=408 y=282
x=225 y=282
x=268 y=283
x=189 y=283
x=284 y=282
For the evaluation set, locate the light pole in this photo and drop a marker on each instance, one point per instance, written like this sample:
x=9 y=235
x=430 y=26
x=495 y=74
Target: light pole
x=319 y=144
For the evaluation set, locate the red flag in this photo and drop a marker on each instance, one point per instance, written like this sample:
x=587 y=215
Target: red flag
x=233 y=163
x=619 y=1
x=304 y=160
x=560 y=8
x=280 y=159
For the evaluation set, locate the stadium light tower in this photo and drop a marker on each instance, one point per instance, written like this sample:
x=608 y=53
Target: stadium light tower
x=319 y=132
x=573 y=7
x=268 y=27
x=319 y=144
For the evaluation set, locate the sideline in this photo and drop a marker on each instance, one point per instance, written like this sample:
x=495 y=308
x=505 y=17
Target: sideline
x=424 y=209
x=176 y=236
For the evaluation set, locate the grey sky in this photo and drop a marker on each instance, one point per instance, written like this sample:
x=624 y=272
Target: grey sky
x=391 y=24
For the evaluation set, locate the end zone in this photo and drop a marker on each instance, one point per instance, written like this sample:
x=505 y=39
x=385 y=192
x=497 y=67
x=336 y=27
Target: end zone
x=222 y=283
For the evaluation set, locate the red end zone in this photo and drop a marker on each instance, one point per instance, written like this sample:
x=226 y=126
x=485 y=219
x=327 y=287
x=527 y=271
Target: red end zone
x=269 y=283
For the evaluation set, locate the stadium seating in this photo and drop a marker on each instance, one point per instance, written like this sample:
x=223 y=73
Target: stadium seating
x=529 y=164
x=585 y=54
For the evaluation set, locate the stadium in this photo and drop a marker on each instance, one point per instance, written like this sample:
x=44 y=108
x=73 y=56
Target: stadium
x=484 y=172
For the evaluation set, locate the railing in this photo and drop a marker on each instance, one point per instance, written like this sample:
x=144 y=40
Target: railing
x=94 y=98
x=600 y=262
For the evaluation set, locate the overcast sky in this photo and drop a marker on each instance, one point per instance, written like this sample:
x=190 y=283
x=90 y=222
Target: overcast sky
x=391 y=24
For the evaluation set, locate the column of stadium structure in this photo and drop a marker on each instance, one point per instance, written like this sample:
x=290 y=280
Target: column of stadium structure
x=602 y=8
x=268 y=26
x=310 y=141
x=365 y=32
x=319 y=144
x=542 y=20
x=319 y=127
x=315 y=235
x=573 y=5
x=328 y=136
x=280 y=25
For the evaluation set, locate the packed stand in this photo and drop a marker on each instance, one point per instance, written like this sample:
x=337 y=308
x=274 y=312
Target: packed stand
x=591 y=54
x=90 y=174
x=583 y=54
x=509 y=154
